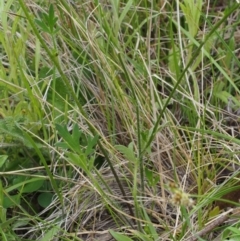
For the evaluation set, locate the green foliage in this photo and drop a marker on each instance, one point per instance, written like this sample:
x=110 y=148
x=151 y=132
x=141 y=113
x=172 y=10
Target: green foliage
x=47 y=23
x=23 y=185
x=119 y=236
x=5 y=222
x=45 y=199
x=83 y=147
x=3 y=159
x=128 y=152
x=26 y=185
x=152 y=178
x=231 y=233
x=145 y=84
x=192 y=13
x=50 y=234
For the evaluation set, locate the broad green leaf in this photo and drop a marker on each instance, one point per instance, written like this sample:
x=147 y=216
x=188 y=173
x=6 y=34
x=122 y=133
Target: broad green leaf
x=223 y=96
x=91 y=144
x=2 y=209
x=50 y=14
x=49 y=235
x=150 y=226
x=45 y=199
x=79 y=161
x=142 y=236
x=234 y=230
x=9 y=222
x=62 y=145
x=128 y=152
x=70 y=141
x=152 y=178
x=42 y=25
x=11 y=201
x=32 y=186
x=3 y=235
x=76 y=133
x=26 y=185
x=120 y=237
x=231 y=233
x=214 y=212
x=90 y=163
x=3 y=159
x=192 y=11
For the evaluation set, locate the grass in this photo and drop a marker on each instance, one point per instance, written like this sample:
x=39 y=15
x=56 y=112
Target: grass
x=119 y=120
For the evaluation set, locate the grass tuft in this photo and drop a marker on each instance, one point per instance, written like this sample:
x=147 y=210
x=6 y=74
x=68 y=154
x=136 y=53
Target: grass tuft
x=119 y=120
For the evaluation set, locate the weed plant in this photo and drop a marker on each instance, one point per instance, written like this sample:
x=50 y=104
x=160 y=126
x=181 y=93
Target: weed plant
x=119 y=120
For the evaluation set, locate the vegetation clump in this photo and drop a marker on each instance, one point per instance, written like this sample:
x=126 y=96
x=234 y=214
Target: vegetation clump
x=119 y=120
